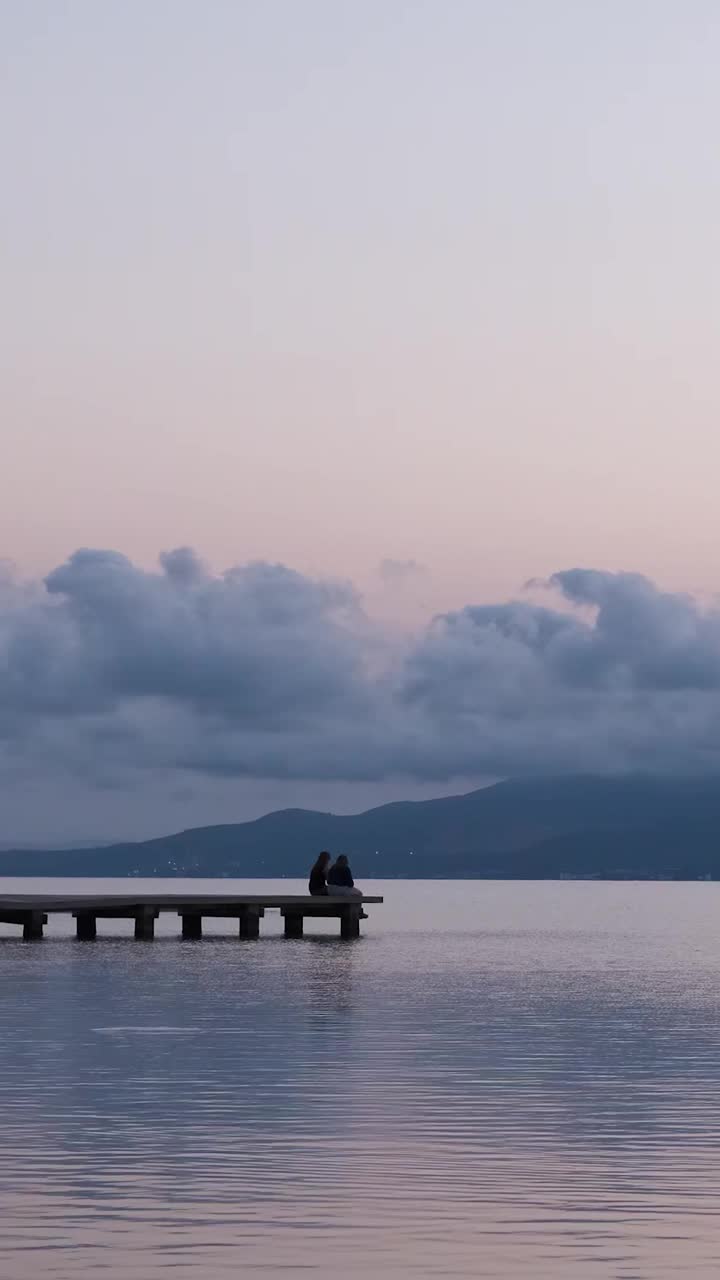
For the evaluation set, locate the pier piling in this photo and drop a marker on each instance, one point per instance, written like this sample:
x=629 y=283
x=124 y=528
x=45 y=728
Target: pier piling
x=145 y=924
x=192 y=925
x=33 y=926
x=293 y=925
x=350 y=923
x=249 y=923
x=86 y=924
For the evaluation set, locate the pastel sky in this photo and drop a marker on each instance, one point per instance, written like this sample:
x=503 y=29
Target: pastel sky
x=418 y=295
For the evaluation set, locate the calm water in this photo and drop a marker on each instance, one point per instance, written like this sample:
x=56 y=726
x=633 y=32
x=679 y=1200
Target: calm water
x=497 y=1080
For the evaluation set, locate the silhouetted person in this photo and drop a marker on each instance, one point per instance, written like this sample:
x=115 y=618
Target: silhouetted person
x=340 y=880
x=318 y=876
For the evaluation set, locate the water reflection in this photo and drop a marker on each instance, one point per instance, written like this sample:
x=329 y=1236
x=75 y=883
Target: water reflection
x=510 y=1101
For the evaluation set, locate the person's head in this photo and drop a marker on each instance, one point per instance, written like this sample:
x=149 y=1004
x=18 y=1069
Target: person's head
x=341 y=860
x=322 y=862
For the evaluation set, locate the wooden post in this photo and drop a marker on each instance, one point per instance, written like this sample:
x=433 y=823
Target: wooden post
x=145 y=924
x=350 y=922
x=191 y=925
x=250 y=924
x=293 y=925
x=86 y=926
x=33 y=922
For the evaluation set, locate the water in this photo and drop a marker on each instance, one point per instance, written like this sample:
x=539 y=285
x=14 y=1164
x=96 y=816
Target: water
x=497 y=1080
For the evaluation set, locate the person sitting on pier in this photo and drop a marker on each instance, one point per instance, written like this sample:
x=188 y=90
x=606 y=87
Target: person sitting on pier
x=340 y=880
x=318 y=875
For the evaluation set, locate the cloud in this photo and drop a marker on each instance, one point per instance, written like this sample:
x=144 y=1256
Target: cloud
x=107 y=670
x=260 y=644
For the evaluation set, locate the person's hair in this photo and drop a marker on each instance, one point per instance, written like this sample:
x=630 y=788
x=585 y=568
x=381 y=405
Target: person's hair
x=341 y=860
x=321 y=861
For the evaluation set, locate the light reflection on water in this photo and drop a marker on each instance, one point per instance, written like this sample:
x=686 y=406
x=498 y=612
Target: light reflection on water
x=497 y=1080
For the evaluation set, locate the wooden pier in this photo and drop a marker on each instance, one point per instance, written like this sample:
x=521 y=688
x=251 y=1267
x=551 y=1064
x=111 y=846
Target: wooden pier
x=31 y=912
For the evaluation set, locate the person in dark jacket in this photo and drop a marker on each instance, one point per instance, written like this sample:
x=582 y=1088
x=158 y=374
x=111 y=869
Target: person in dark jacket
x=317 y=883
x=340 y=880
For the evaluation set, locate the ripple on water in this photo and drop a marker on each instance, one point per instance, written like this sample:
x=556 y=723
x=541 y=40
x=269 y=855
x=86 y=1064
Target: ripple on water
x=470 y=1090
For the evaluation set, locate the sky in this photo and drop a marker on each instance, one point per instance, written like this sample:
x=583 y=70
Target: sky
x=384 y=309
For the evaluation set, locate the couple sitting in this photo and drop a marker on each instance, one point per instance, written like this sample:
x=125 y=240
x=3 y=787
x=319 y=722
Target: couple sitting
x=336 y=881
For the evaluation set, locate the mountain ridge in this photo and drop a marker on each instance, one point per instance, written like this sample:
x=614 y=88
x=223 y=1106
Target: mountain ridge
x=632 y=827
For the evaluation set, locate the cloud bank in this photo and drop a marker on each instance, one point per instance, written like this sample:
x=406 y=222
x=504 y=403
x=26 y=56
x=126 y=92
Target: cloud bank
x=260 y=672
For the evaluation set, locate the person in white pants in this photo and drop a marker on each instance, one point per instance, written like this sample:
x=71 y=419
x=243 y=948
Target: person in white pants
x=340 y=881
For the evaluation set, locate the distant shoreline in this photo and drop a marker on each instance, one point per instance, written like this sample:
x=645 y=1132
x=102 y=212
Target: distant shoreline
x=573 y=828
x=600 y=878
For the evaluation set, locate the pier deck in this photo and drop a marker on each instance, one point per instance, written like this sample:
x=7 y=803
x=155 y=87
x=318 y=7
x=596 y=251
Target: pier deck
x=31 y=912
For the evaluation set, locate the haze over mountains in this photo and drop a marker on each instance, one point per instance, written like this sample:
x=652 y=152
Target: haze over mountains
x=634 y=827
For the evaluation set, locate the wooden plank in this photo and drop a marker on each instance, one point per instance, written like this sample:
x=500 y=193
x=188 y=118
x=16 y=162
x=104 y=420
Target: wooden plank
x=126 y=904
x=228 y=911
x=323 y=913
x=30 y=911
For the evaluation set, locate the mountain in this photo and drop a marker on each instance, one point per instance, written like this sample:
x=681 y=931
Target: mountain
x=633 y=827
